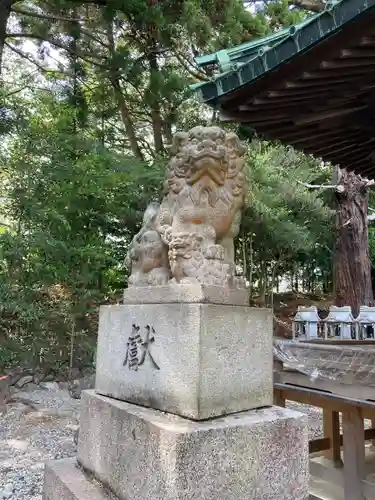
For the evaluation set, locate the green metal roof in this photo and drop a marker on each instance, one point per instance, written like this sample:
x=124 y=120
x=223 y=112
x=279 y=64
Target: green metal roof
x=251 y=61
x=232 y=59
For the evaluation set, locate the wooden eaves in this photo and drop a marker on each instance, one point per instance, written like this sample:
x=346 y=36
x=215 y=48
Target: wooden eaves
x=311 y=85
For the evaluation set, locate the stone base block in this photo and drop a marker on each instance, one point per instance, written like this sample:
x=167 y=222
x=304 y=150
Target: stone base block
x=63 y=480
x=144 y=454
x=194 y=360
x=192 y=293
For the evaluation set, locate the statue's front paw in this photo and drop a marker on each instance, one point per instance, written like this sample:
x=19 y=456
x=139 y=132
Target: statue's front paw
x=159 y=276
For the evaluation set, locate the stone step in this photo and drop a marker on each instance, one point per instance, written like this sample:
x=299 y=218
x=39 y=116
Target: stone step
x=64 y=480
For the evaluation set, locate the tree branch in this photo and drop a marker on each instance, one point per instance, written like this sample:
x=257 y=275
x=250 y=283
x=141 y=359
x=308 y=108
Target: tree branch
x=97 y=40
x=337 y=187
x=57 y=18
x=43 y=16
x=27 y=57
x=198 y=75
x=311 y=5
x=84 y=57
x=71 y=75
x=13 y=92
x=39 y=66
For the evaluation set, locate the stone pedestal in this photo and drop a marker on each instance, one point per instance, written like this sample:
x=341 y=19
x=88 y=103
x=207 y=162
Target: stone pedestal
x=194 y=360
x=145 y=454
x=182 y=408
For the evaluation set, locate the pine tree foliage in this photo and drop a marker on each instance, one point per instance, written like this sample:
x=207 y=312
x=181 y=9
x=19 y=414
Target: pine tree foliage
x=286 y=223
x=290 y=215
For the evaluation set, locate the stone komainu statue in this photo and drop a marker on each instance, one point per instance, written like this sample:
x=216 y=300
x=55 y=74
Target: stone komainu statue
x=189 y=237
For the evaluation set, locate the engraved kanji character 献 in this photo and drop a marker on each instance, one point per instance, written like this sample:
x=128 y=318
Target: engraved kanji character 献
x=148 y=340
x=131 y=356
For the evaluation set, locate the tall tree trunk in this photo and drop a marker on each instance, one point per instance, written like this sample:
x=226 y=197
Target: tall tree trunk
x=115 y=79
x=244 y=254
x=263 y=283
x=352 y=264
x=125 y=116
x=167 y=129
x=157 y=121
x=296 y=281
x=251 y=266
x=5 y=9
x=274 y=281
x=74 y=63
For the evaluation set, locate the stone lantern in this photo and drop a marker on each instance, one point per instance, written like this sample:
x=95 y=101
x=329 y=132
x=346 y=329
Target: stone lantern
x=305 y=323
x=340 y=323
x=366 y=322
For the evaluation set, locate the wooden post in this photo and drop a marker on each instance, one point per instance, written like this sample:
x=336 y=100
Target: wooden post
x=354 y=453
x=373 y=427
x=372 y=440
x=331 y=427
x=278 y=398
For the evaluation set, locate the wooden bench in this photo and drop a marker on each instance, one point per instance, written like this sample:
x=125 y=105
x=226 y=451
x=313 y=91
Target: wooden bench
x=351 y=472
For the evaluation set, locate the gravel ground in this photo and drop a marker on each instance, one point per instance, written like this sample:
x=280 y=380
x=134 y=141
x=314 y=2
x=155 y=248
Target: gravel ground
x=31 y=435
